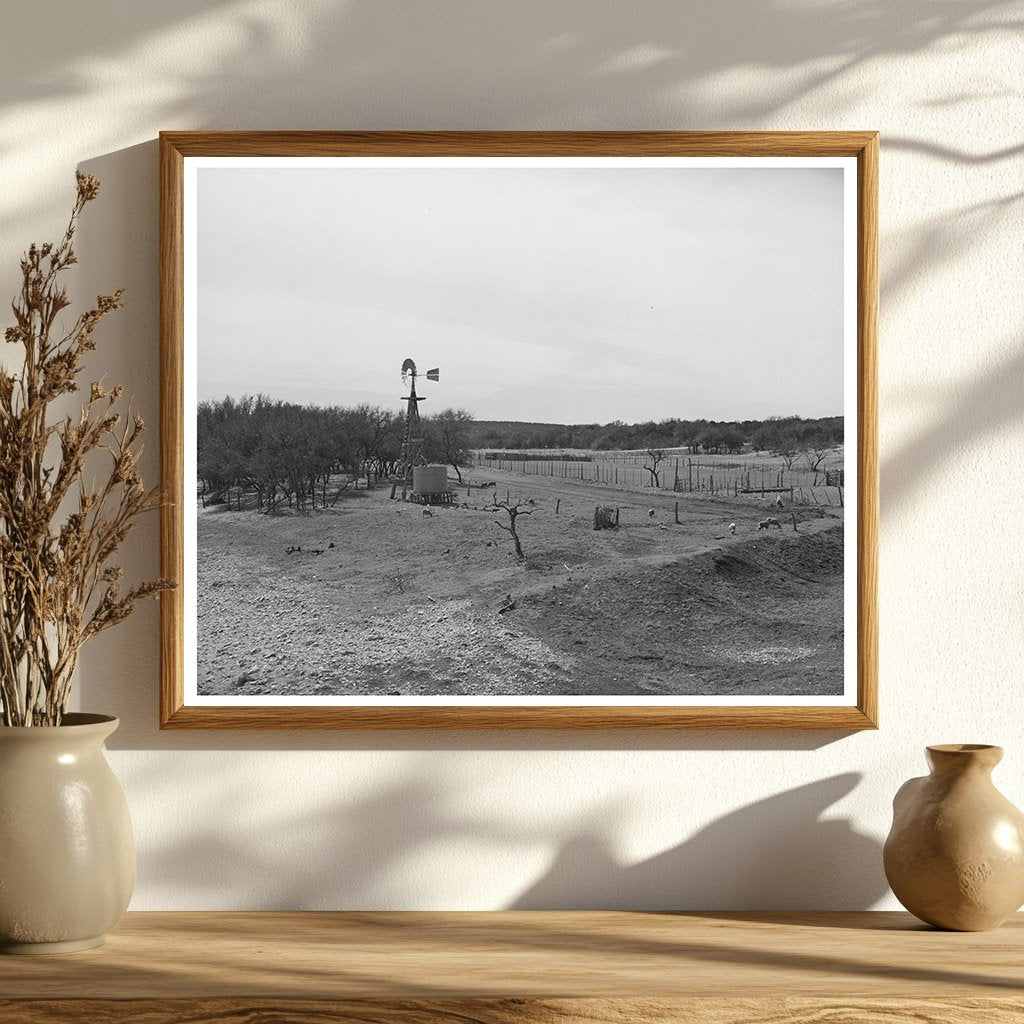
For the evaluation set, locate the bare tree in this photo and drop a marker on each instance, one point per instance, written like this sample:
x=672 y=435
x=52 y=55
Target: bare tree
x=789 y=453
x=376 y=433
x=816 y=452
x=657 y=456
x=448 y=438
x=514 y=511
x=783 y=442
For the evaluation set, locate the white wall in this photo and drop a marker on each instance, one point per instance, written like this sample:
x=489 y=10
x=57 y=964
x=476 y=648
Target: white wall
x=746 y=820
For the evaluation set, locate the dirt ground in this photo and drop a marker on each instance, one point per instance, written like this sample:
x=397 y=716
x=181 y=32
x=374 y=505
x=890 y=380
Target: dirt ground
x=383 y=599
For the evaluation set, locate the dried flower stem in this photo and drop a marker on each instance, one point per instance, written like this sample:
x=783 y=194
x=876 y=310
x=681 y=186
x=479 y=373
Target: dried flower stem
x=57 y=586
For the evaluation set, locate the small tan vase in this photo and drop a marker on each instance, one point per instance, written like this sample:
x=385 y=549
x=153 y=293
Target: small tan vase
x=67 y=856
x=955 y=855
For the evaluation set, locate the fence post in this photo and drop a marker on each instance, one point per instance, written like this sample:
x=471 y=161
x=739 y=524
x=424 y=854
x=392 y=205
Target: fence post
x=558 y=503
x=677 y=513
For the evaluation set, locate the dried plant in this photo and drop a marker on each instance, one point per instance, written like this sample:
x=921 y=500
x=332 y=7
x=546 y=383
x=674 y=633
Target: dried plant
x=58 y=586
x=513 y=511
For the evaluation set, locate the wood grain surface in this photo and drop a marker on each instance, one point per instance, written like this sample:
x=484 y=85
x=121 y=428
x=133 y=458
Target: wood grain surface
x=524 y=966
x=176 y=146
x=526 y=954
x=516 y=1011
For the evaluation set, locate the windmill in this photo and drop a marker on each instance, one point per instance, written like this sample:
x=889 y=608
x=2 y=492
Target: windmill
x=412 y=443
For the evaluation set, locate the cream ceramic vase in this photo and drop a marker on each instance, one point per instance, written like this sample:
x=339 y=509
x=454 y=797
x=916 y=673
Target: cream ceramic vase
x=955 y=855
x=67 y=856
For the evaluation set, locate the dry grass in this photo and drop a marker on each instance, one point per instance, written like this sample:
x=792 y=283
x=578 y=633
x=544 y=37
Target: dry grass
x=58 y=534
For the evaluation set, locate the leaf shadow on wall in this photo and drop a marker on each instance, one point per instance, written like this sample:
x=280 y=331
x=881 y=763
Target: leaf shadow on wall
x=319 y=66
x=777 y=853
x=404 y=845
x=990 y=403
x=373 y=64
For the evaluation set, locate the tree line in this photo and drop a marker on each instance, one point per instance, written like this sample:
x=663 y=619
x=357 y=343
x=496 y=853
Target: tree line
x=787 y=436
x=307 y=455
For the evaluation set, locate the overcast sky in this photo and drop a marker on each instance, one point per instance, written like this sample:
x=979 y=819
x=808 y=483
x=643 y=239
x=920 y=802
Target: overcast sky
x=558 y=295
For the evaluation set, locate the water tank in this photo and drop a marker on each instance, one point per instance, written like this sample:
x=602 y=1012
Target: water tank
x=429 y=479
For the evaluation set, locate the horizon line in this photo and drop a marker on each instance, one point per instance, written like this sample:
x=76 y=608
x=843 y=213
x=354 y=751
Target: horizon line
x=504 y=419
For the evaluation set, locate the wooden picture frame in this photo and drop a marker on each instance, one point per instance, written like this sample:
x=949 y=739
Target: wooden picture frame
x=177 y=710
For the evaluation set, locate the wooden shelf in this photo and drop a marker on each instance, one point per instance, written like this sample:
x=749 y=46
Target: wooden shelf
x=500 y=968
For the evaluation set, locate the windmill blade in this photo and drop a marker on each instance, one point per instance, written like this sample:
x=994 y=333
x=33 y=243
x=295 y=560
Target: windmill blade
x=434 y=374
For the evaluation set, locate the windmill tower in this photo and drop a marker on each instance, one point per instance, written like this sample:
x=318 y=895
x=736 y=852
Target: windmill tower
x=412 y=442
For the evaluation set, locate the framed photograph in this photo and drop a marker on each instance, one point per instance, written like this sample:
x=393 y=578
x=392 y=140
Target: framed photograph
x=519 y=430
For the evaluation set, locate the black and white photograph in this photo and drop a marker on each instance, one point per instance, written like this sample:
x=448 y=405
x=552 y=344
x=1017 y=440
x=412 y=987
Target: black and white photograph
x=522 y=430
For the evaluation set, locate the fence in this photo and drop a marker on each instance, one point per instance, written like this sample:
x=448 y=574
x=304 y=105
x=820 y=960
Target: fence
x=631 y=471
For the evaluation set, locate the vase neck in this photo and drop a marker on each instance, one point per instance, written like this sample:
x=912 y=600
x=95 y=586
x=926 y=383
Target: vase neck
x=76 y=728
x=952 y=760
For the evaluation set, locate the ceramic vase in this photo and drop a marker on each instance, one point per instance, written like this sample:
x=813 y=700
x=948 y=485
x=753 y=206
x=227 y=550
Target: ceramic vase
x=955 y=855
x=67 y=855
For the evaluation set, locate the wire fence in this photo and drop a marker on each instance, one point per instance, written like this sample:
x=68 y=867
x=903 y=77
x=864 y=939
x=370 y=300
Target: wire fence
x=634 y=471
